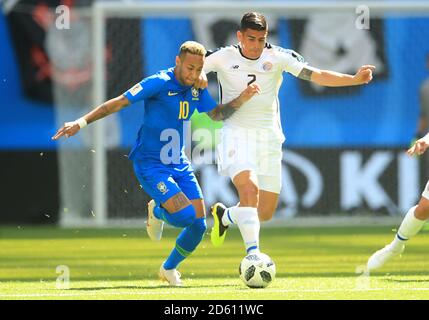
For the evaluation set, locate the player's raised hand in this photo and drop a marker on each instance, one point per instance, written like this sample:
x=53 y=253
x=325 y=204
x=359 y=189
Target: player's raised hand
x=364 y=74
x=201 y=82
x=419 y=147
x=67 y=130
x=249 y=92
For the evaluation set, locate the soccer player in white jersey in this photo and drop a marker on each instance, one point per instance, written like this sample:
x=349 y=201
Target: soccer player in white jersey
x=250 y=151
x=413 y=220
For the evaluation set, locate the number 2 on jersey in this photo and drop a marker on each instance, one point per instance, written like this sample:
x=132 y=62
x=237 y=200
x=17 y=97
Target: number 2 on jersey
x=253 y=79
x=184 y=109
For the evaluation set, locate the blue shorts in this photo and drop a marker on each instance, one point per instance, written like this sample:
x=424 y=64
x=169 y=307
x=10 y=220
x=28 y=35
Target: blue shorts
x=162 y=182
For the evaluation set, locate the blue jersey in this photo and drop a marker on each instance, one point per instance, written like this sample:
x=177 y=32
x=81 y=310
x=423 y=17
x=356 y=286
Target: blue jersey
x=167 y=105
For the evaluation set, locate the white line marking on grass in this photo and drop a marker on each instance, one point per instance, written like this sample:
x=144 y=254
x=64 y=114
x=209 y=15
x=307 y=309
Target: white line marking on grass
x=190 y=291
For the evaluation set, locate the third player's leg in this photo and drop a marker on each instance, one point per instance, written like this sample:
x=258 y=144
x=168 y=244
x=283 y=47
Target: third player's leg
x=410 y=226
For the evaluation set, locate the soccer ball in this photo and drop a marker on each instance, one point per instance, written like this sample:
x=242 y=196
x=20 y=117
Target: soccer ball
x=257 y=270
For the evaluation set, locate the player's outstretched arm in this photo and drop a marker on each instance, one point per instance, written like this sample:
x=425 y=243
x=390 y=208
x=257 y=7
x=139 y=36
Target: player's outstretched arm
x=420 y=146
x=111 y=106
x=336 y=79
x=224 y=111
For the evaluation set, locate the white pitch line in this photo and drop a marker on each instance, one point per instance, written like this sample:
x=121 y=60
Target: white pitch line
x=184 y=291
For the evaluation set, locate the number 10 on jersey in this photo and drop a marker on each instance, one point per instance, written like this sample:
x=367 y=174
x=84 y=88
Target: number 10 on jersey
x=184 y=110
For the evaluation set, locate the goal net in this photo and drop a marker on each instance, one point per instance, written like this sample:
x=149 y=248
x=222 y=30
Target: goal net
x=114 y=44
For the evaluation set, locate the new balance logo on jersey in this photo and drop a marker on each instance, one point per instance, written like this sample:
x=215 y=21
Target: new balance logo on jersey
x=172 y=93
x=236 y=66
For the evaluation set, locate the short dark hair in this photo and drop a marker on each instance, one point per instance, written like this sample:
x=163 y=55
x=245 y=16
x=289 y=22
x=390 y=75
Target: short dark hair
x=254 y=21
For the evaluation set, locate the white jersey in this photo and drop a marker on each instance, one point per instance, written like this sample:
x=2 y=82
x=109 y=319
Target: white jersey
x=235 y=73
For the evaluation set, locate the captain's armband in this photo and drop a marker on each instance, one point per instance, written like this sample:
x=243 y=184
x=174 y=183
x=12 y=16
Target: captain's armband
x=305 y=74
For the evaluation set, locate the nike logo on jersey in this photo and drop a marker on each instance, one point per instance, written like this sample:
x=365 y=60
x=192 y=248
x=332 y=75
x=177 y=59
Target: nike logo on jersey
x=235 y=66
x=172 y=93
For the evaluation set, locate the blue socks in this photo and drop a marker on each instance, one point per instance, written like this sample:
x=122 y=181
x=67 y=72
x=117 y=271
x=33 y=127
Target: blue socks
x=186 y=242
x=159 y=212
x=188 y=239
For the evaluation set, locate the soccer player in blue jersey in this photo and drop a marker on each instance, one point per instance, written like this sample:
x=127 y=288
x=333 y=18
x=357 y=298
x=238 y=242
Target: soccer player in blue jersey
x=161 y=167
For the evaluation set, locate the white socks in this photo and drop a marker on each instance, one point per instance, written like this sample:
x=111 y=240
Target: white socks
x=410 y=226
x=247 y=221
x=227 y=216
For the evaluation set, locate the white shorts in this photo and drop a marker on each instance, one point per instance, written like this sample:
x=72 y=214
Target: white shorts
x=254 y=150
x=425 y=193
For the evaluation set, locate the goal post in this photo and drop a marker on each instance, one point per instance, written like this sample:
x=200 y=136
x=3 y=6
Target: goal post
x=101 y=12
x=99 y=160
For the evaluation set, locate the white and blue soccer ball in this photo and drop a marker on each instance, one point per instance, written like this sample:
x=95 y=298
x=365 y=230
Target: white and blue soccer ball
x=257 y=270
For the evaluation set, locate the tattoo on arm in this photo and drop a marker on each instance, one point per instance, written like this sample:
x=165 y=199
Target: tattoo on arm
x=227 y=111
x=305 y=74
x=180 y=201
x=224 y=111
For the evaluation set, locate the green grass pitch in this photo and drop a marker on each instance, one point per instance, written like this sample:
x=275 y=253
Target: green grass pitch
x=312 y=263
